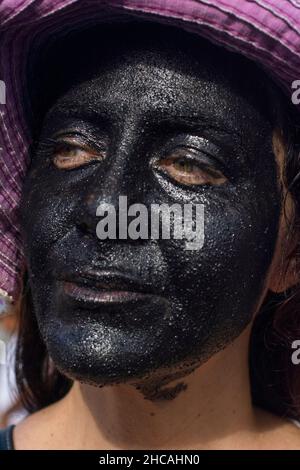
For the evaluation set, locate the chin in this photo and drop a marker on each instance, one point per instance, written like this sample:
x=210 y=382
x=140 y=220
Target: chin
x=100 y=356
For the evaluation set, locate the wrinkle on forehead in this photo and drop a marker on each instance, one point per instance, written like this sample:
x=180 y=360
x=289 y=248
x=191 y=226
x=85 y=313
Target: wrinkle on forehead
x=146 y=56
x=162 y=90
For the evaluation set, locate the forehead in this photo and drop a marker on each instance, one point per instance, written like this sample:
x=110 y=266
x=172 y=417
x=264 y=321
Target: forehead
x=149 y=83
x=159 y=75
x=150 y=77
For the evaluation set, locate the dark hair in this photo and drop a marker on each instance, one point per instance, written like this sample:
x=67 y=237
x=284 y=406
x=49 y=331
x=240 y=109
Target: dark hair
x=273 y=375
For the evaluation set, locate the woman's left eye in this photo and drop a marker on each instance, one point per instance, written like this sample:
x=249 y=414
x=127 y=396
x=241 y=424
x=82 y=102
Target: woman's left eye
x=188 y=171
x=69 y=155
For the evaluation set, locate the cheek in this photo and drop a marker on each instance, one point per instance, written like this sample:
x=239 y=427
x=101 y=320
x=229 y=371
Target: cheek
x=229 y=270
x=47 y=213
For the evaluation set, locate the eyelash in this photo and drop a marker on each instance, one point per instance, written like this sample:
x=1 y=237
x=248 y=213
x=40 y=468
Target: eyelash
x=205 y=162
x=49 y=147
x=200 y=164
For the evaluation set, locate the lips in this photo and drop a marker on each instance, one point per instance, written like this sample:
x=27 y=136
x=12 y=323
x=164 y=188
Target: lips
x=104 y=287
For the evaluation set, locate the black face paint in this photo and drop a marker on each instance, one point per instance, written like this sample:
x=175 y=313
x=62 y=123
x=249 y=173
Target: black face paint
x=135 y=108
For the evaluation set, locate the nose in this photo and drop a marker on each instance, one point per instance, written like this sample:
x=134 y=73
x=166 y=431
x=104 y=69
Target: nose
x=119 y=176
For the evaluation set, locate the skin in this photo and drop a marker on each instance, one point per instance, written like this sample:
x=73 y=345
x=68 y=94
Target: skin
x=118 y=128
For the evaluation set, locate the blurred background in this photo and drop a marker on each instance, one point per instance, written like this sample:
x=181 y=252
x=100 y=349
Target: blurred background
x=11 y=410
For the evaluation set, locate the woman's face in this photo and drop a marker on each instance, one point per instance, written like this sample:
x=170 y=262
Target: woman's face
x=157 y=125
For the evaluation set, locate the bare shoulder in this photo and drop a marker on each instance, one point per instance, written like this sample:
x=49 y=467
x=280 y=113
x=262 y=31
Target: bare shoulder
x=37 y=430
x=276 y=433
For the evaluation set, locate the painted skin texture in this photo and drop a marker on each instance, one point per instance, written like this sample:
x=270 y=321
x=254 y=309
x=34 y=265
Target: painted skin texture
x=134 y=106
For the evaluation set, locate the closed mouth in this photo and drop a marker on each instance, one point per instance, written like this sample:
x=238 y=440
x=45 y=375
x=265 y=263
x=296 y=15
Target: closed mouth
x=105 y=286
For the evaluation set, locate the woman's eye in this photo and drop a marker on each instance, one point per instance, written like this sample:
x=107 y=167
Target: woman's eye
x=187 y=171
x=68 y=156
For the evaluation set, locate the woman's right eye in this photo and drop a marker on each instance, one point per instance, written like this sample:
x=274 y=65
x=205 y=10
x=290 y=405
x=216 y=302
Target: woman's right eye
x=68 y=155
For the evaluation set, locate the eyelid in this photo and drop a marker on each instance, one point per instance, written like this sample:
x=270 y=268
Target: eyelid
x=215 y=150
x=85 y=136
x=76 y=142
x=200 y=156
x=204 y=163
x=87 y=154
x=63 y=144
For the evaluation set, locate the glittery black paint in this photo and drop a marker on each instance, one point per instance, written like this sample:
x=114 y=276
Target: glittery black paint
x=137 y=102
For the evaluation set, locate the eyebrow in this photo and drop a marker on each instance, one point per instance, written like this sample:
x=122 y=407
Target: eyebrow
x=200 y=124
x=198 y=120
x=208 y=127
x=84 y=112
x=201 y=121
x=226 y=138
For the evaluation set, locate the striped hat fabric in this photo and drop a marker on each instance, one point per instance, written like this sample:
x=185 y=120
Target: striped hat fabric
x=265 y=31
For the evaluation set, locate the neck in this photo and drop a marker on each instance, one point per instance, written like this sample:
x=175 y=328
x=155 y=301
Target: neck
x=215 y=405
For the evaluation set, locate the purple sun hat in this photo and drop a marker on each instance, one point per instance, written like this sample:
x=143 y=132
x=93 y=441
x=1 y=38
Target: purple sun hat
x=265 y=31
